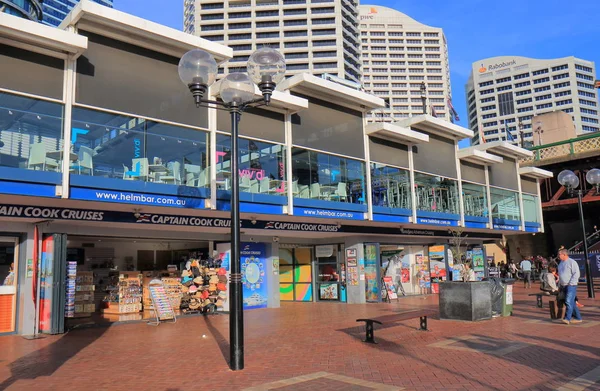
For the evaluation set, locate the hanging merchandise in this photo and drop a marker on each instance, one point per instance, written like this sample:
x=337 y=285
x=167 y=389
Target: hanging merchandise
x=204 y=285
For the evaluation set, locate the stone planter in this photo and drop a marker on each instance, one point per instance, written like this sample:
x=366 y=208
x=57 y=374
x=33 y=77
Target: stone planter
x=470 y=301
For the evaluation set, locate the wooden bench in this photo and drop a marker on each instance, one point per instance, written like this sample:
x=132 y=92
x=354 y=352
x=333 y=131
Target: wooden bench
x=369 y=323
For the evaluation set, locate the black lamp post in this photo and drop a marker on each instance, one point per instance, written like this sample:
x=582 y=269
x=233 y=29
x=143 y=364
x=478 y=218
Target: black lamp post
x=521 y=133
x=569 y=180
x=424 y=97
x=198 y=70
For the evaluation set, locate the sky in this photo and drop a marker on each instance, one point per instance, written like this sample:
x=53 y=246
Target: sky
x=474 y=29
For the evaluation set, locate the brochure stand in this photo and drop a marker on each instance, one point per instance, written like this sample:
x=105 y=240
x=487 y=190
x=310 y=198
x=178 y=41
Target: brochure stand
x=161 y=305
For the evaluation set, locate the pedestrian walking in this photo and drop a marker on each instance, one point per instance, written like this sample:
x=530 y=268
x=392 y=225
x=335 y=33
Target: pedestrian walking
x=568 y=274
x=526 y=268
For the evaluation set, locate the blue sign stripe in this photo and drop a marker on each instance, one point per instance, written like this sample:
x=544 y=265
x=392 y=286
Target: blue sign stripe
x=27 y=189
x=391 y=218
x=125 y=197
x=431 y=221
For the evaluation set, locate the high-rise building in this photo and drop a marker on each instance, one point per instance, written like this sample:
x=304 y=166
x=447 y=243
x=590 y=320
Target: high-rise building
x=54 y=11
x=505 y=93
x=405 y=63
x=28 y=9
x=316 y=36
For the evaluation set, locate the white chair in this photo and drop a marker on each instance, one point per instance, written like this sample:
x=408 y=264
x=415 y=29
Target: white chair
x=295 y=189
x=264 y=185
x=315 y=190
x=341 y=192
x=304 y=191
x=175 y=174
x=190 y=179
x=85 y=160
x=245 y=183
x=139 y=169
x=253 y=186
x=37 y=158
x=203 y=178
x=126 y=173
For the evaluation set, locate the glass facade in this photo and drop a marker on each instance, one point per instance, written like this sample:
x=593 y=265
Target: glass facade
x=436 y=194
x=261 y=167
x=117 y=146
x=505 y=204
x=475 y=200
x=531 y=208
x=321 y=176
x=55 y=10
x=390 y=186
x=29 y=9
x=31 y=134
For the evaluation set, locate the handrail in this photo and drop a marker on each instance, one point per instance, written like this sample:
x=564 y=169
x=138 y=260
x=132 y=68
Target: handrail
x=580 y=243
x=570 y=147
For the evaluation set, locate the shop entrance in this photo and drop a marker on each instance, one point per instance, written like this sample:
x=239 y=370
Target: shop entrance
x=9 y=259
x=330 y=273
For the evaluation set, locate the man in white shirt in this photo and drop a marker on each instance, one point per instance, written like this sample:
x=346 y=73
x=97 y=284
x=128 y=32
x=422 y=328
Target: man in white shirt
x=568 y=274
x=526 y=268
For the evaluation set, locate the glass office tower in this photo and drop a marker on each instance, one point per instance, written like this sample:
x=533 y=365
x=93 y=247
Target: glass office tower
x=54 y=11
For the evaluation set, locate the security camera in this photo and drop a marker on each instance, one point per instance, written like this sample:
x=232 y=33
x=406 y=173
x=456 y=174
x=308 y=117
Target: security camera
x=275 y=239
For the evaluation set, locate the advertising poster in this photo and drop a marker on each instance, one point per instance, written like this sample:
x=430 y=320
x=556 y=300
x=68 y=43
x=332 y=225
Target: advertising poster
x=353 y=275
x=477 y=260
x=390 y=287
x=437 y=266
x=372 y=285
x=46 y=283
x=328 y=292
x=254 y=276
x=224 y=251
x=351 y=257
x=395 y=264
x=422 y=273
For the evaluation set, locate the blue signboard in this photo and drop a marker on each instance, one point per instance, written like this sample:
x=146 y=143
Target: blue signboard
x=507 y=227
x=472 y=224
x=127 y=197
x=254 y=276
x=432 y=221
x=329 y=214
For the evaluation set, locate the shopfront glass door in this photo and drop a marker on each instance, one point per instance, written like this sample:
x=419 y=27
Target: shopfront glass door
x=9 y=263
x=328 y=273
x=295 y=274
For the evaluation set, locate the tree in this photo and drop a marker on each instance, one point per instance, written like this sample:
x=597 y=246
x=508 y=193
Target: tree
x=456 y=244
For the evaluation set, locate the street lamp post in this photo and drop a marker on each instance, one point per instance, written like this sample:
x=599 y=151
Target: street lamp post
x=521 y=133
x=569 y=180
x=424 y=97
x=198 y=70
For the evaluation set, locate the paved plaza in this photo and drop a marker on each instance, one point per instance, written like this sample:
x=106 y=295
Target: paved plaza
x=318 y=346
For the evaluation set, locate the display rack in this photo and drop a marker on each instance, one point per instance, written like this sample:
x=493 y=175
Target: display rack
x=161 y=304
x=80 y=292
x=126 y=297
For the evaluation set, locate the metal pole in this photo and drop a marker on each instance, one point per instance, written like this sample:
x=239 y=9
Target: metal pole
x=588 y=269
x=424 y=99
x=236 y=314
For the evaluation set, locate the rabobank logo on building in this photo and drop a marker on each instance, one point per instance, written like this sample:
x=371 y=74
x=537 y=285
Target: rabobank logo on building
x=495 y=67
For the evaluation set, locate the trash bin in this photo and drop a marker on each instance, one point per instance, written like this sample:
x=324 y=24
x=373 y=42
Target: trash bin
x=507 y=299
x=497 y=293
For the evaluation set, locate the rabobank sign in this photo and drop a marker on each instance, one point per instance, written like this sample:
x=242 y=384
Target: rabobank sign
x=497 y=66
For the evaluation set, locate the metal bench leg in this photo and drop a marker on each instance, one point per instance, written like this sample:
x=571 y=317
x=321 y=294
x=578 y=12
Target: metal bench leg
x=370 y=337
x=539 y=302
x=423 y=323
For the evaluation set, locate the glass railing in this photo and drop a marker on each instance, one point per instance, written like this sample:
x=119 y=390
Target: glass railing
x=261 y=166
x=436 y=194
x=531 y=208
x=31 y=134
x=475 y=200
x=325 y=177
x=390 y=187
x=134 y=149
x=505 y=204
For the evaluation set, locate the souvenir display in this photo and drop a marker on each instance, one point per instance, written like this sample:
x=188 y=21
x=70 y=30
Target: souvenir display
x=161 y=304
x=80 y=292
x=124 y=295
x=203 y=286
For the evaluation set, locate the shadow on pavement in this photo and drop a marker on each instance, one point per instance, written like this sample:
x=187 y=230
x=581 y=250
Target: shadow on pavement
x=47 y=360
x=221 y=341
x=567 y=344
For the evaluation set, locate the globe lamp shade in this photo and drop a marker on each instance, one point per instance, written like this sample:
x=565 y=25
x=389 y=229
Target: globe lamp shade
x=568 y=179
x=197 y=70
x=266 y=67
x=237 y=88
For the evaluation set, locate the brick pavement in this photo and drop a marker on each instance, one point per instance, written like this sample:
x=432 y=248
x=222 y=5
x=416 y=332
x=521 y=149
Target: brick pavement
x=317 y=346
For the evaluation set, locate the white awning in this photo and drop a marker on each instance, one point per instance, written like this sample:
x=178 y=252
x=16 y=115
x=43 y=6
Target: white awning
x=474 y=155
x=391 y=132
x=36 y=37
x=307 y=84
x=280 y=101
x=437 y=126
x=534 y=172
x=108 y=22
x=505 y=148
